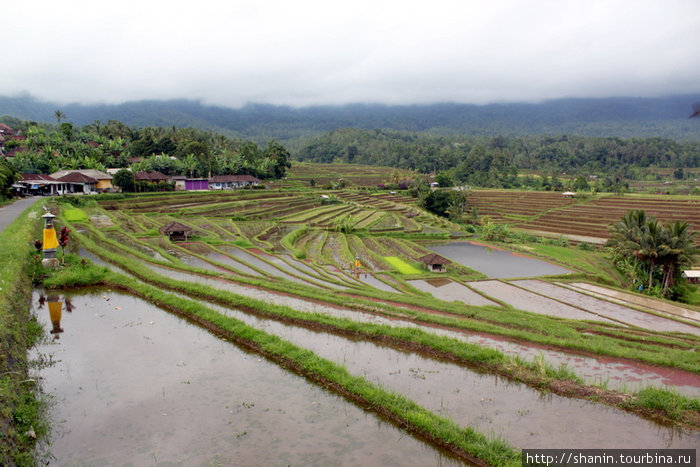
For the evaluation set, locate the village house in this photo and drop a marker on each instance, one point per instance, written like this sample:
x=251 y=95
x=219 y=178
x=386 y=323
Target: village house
x=79 y=183
x=224 y=182
x=39 y=184
x=179 y=181
x=46 y=185
x=103 y=181
x=8 y=134
x=195 y=184
x=151 y=177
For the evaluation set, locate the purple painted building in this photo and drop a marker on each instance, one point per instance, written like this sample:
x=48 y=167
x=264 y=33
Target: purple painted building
x=196 y=184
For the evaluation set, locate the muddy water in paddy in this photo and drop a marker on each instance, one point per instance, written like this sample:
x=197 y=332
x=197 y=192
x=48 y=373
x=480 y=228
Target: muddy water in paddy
x=449 y=290
x=618 y=374
x=139 y=386
x=532 y=302
x=639 y=301
x=495 y=263
x=605 y=308
x=370 y=280
x=522 y=416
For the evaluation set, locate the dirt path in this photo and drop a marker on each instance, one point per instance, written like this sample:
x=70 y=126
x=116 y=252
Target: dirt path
x=10 y=212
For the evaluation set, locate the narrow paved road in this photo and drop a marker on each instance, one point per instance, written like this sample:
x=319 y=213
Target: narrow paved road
x=10 y=212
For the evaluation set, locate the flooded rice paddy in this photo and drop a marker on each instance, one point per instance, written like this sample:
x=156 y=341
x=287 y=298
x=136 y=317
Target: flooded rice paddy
x=522 y=416
x=371 y=281
x=635 y=300
x=605 y=308
x=449 y=290
x=617 y=374
x=496 y=263
x=133 y=384
x=529 y=301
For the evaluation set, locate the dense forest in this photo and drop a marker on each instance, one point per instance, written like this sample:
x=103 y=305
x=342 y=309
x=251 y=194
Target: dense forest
x=665 y=117
x=46 y=148
x=497 y=161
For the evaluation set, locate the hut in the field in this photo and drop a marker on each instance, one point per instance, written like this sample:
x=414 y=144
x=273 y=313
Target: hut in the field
x=435 y=262
x=176 y=231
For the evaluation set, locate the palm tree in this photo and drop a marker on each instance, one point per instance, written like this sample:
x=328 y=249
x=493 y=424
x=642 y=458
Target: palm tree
x=681 y=251
x=59 y=116
x=626 y=234
x=190 y=163
x=653 y=246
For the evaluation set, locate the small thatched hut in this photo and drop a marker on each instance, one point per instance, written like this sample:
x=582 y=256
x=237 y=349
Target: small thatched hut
x=435 y=262
x=176 y=231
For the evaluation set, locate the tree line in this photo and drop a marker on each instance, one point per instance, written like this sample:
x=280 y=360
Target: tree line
x=498 y=161
x=46 y=148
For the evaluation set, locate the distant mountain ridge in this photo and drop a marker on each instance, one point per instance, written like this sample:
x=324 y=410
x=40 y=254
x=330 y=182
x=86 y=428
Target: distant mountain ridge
x=665 y=117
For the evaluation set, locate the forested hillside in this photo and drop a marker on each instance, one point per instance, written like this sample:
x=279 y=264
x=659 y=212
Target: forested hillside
x=622 y=117
x=496 y=161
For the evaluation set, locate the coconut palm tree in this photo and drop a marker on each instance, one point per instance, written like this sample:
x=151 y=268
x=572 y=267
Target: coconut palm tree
x=681 y=251
x=59 y=116
x=626 y=234
x=190 y=163
x=653 y=246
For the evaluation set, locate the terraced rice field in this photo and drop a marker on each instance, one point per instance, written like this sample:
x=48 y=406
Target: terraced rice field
x=281 y=266
x=590 y=217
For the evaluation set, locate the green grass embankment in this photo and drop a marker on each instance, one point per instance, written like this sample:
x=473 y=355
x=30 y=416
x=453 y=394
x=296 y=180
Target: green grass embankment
x=21 y=419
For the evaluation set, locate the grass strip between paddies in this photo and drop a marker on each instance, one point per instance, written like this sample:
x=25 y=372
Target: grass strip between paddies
x=465 y=443
x=537 y=374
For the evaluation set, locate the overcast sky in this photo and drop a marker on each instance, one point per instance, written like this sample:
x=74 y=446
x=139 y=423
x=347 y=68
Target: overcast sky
x=308 y=52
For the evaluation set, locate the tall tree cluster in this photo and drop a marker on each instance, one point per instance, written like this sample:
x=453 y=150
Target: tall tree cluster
x=650 y=253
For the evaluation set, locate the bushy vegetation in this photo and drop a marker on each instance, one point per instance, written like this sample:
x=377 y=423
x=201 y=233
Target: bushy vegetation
x=8 y=174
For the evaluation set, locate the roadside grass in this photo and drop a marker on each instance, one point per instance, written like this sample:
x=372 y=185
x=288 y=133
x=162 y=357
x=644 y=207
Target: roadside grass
x=21 y=408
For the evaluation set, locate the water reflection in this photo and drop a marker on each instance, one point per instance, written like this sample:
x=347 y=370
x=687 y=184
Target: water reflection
x=55 y=308
x=496 y=263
